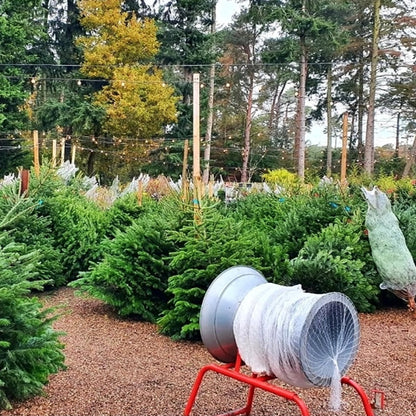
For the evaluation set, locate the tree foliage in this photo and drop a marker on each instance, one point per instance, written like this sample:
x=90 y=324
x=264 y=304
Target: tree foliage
x=137 y=102
x=19 y=44
x=114 y=38
x=338 y=259
x=119 y=48
x=30 y=349
x=155 y=45
x=132 y=276
x=204 y=251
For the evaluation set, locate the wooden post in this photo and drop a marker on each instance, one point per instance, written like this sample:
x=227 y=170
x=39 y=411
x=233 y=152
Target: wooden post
x=62 y=151
x=196 y=133
x=344 y=149
x=140 y=193
x=196 y=148
x=73 y=151
x=184 y=170
x=54 y=153
x=24 y=181
x=211 y=186
x=36 y=152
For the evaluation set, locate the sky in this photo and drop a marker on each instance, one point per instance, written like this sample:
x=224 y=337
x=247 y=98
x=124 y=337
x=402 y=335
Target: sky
x=385 y=124
x=225 y=11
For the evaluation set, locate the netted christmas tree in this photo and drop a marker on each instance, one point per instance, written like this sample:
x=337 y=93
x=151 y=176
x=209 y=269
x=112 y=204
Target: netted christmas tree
x=388 y=246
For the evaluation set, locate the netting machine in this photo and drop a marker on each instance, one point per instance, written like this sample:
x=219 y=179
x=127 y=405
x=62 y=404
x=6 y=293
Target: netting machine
x=302 y=339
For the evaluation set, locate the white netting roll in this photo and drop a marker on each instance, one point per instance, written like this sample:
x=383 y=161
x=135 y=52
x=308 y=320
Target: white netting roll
x=300 y=338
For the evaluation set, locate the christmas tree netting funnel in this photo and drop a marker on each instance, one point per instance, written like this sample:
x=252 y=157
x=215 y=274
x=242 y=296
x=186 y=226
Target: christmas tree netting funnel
x=303 y=339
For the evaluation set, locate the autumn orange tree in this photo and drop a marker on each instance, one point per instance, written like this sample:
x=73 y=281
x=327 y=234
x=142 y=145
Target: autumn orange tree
x=118 y=50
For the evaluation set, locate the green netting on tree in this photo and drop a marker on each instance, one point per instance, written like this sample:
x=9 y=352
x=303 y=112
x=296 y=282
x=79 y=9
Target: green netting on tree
x=388 y=246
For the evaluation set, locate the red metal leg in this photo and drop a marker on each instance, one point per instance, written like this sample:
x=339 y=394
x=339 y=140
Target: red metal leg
x=364 y=398
x=195 y=389
x=261 y=382
x=244 y=410
x=252 y=380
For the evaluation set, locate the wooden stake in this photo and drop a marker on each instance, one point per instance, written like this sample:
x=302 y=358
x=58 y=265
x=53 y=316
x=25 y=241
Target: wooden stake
x=196 y=148
x=36 y=152
x=73 y=152
x=62 y=151
x=196 y=133
x=344 y=149
x=24 y=181
x=140 y=193
x=211 y=186
x=54 y=153
x=184 y=170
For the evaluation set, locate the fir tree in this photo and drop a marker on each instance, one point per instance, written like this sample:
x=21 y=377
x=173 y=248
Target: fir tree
x=30 y=349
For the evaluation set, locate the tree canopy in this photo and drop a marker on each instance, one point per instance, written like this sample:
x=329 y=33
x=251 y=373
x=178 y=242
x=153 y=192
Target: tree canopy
x=114 y=79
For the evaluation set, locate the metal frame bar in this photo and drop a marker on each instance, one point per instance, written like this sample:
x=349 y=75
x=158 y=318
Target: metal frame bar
x=232 y=370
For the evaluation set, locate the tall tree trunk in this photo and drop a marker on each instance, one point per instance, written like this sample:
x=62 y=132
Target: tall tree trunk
x=247 y=131
x=396 y=148
x=90 y=163
x=352 y=129
x=210 y=119
x=369 y=136
x=250 y=51
x=361 y=111
x=329 y=123
x=300 y=119
x=275 y=108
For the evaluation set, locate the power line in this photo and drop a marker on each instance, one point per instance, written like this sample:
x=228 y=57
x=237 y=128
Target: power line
x=202 y=65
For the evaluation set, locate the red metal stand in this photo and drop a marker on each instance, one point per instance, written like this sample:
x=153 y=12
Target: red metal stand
x=232 y=370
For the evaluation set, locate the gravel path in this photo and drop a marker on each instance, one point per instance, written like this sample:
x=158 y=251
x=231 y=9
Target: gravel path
x=125 y=368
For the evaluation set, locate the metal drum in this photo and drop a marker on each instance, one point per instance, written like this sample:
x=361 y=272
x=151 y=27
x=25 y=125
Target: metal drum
x=219 y=307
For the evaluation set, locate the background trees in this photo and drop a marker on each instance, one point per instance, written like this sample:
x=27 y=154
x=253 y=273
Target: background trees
x=20 y=45
x=118 y=51
x=105 y=79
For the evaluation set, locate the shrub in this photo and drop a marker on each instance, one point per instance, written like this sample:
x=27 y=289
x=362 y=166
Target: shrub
x=263 y=209
x=264 y=213
x=406 y=214
x=306 y=215
x=282 y=178
x=125 y=210
x=24 y=223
